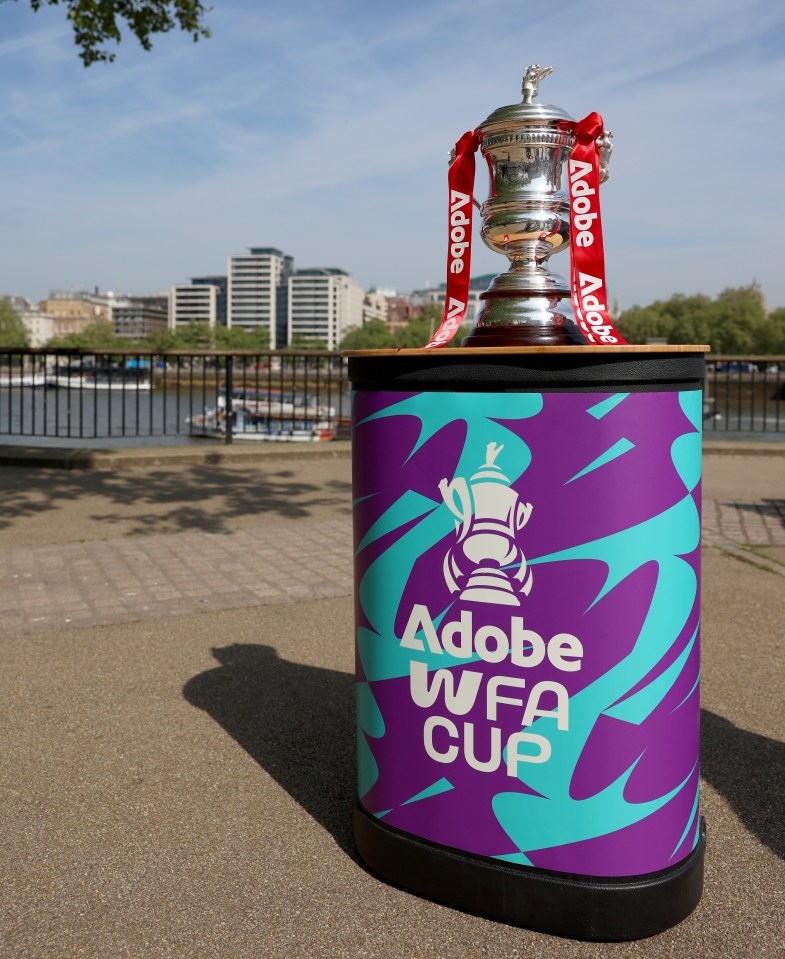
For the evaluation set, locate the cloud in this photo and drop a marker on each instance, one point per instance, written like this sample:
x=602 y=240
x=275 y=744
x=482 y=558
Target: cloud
x=324 y=130
x=32 y=40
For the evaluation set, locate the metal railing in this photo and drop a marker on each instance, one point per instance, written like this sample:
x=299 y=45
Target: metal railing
x=137 y=395
x=745 y=394
x=131 y=396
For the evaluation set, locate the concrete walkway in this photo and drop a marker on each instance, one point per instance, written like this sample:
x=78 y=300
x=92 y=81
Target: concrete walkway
x=177 y=721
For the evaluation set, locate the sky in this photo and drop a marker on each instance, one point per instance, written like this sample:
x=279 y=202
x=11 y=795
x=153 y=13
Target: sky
x=323 y=127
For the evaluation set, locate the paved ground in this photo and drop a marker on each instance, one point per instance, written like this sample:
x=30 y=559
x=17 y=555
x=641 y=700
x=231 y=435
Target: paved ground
x=149 y=812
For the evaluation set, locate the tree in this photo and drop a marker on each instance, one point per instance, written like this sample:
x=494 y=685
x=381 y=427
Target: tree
x=97 y=336
x=775 y=331
x=735 y=322
x=738 y=321
x=304 y=343
x=416 y=333
x=681 y=319
x=234 y=338
x=13 y=332
x=160 y=340
x=260 y=338
x=239 y=338
x=419 y=331
x=194 y=336
x=372 y=335
x=98 y=22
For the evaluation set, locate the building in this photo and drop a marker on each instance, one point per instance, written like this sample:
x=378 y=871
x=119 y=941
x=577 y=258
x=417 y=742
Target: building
x=257 y=292
x=131 y=317
x=193 y=303
x=323 y=304
x=73 y=310
x=400 y=311
x=221 y=283
x=135 y=317
x=385 y=305
x=375 y=306
x=477 y=286
x=39 y=325
x=431 y=294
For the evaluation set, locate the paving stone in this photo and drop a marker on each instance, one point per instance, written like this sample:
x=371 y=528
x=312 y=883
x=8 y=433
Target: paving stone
x=164 y=575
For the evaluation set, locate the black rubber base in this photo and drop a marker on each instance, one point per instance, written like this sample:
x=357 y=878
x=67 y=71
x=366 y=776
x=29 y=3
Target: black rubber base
x=581 y=907
x=467 y=371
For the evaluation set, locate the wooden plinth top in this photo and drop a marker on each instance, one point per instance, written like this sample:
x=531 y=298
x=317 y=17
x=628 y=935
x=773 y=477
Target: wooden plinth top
x=530 y=350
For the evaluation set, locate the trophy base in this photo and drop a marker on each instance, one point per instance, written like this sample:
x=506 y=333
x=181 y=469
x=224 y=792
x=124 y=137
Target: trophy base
x=479 y=594
x=582 y=907
x=482 y=336
x=525 y=310
x=490 y=586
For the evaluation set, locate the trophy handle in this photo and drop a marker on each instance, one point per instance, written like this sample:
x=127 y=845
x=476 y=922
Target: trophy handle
x=462 y=509
x=605 y=148
x=523 y=513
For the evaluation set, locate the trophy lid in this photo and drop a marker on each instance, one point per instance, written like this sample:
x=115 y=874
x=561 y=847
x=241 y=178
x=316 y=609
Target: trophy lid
x=526 y=111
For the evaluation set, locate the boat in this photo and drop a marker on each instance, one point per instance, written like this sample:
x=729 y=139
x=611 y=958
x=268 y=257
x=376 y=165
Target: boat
x=36 y=380
x=253 y=426
x=89 y=376
x=274 y=403
x=91 y=383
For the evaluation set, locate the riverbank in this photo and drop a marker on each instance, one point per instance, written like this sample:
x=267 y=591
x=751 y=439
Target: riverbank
x=205 y=453
x=217 y=454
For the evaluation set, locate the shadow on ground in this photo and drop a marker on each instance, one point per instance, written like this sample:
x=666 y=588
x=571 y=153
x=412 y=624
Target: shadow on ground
x=775 y=508
x=297 y=722
x=749 y=771
x=185 y=498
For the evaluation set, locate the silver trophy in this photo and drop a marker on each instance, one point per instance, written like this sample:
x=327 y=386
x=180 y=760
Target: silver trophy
x=486 y=563
x=527 y=218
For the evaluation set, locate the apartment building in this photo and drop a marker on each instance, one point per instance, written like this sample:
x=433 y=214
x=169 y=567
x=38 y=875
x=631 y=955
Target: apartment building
x=221 y=283
x=193 y=303
x=323 y=303
x=257 y=292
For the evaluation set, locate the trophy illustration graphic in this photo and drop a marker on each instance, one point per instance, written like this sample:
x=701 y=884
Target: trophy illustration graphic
x=486 y=563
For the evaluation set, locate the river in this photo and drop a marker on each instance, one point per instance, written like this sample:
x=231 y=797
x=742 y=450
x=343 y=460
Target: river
x=99 y=418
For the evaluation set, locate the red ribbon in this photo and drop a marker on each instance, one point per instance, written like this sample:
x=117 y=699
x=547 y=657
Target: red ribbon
x=460 y=180
x=587 y=253
x=587 y=272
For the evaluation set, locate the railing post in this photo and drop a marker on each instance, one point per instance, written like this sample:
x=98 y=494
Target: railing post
x=229 y=391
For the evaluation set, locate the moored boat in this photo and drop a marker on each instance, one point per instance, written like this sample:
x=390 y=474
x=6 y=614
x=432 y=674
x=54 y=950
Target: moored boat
x=250 y=425
x=277 y=403
x=36 y=380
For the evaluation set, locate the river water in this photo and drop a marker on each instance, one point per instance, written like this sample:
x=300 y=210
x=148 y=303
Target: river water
x=100 y=418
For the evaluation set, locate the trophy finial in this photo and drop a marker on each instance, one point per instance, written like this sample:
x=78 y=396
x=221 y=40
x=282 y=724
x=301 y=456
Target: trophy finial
x=492 y=450
x=531 y=81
